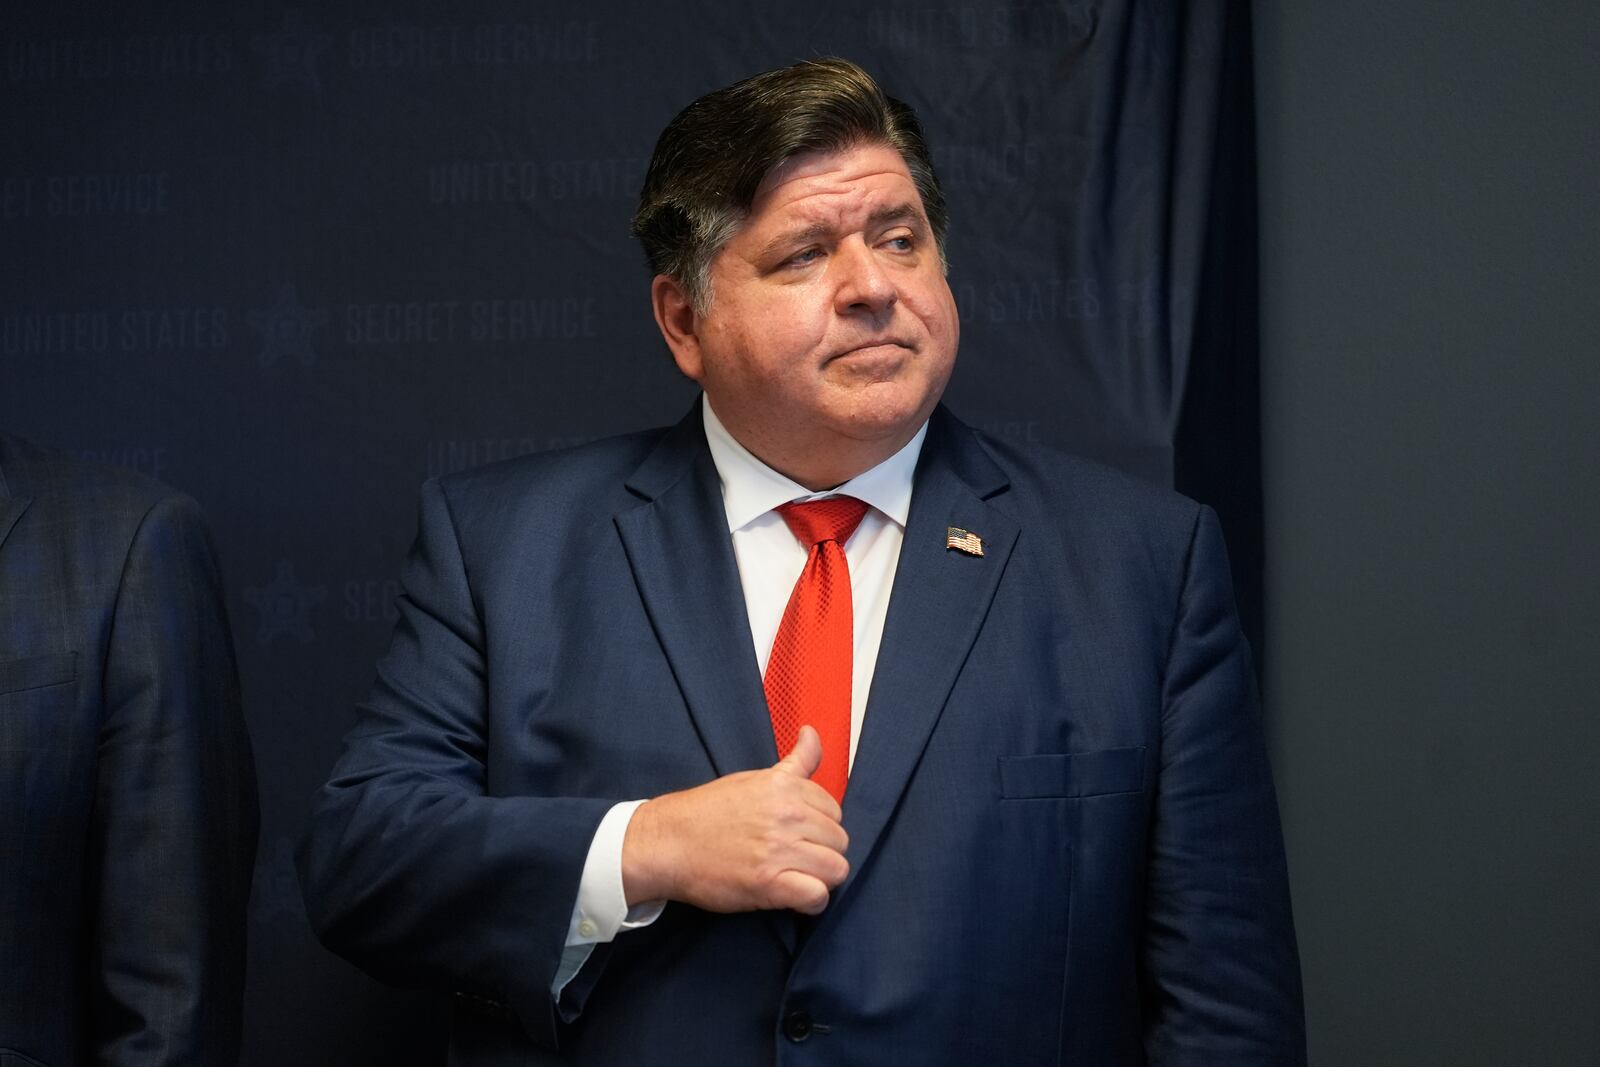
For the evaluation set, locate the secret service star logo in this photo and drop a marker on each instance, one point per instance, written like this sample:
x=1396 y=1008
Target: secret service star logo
x=291 y=53
x=285 y=605
x=286 y=328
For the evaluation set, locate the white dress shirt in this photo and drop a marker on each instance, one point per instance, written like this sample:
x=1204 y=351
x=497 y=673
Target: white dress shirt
x=770 y=560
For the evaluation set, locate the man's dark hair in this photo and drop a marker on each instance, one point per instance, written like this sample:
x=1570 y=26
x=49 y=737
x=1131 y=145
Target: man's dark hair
x=712 y=157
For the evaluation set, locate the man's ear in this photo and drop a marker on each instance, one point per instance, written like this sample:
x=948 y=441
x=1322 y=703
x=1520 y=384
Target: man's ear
x=679 y=324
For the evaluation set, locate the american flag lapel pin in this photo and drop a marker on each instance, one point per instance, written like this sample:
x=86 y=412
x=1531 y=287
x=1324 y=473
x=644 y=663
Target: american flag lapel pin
x=963 y=541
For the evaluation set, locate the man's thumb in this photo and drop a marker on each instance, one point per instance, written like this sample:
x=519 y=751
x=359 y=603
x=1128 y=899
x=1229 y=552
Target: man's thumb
x=806 y=756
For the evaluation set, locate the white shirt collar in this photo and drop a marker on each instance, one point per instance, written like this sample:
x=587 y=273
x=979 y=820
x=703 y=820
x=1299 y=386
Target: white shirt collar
x=750 y=488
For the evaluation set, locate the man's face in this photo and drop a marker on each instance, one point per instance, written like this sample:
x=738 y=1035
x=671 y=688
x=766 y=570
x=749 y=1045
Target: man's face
x=831 y=331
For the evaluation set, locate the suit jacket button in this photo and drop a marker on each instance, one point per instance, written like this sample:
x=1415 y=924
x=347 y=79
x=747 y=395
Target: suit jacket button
x=797 y=1026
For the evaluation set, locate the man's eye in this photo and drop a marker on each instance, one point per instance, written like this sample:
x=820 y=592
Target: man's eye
x=810 y=255
x=903 y=243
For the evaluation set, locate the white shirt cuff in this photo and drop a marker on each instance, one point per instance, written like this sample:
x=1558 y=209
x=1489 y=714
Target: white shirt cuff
x=602 y=908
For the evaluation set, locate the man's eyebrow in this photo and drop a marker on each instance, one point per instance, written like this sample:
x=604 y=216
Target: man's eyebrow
x=905 y=212
x=790 y=238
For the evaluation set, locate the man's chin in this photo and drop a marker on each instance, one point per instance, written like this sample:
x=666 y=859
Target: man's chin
x=885 y=420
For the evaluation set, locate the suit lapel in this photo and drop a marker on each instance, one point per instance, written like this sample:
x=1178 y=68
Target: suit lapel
x=681 y=553
x=936 y=610
x=678 y=546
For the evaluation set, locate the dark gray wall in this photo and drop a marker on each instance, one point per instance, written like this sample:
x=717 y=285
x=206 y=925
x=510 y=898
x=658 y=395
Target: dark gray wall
x=1431 y=371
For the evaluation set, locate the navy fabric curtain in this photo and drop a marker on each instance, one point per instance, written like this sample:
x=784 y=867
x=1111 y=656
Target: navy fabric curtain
x=296 y=260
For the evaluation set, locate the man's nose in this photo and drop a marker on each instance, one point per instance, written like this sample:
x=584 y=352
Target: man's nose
x=863 y=283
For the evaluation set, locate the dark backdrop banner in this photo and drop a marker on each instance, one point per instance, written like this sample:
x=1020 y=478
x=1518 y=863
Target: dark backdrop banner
x=295 y=261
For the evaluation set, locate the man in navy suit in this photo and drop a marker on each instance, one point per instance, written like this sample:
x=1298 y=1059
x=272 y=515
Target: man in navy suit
x=127 y=790
x=565 y=802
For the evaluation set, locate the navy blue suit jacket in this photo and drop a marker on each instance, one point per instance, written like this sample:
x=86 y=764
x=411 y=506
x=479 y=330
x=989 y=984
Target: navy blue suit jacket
x=127 y=791
x=1064 y=843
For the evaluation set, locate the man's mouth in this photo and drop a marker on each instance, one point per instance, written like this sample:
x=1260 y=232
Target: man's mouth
x=876 y=348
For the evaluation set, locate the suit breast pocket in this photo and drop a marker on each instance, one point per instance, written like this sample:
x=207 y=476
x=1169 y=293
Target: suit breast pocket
x=1072 y=774
x=37 y=672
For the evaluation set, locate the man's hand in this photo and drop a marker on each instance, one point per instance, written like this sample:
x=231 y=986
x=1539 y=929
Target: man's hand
x=746 y=841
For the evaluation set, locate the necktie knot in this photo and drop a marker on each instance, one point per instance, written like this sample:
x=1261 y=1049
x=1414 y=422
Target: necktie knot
x=833 y=518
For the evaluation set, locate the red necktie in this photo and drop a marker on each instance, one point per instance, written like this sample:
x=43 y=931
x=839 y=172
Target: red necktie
x=808 y=673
